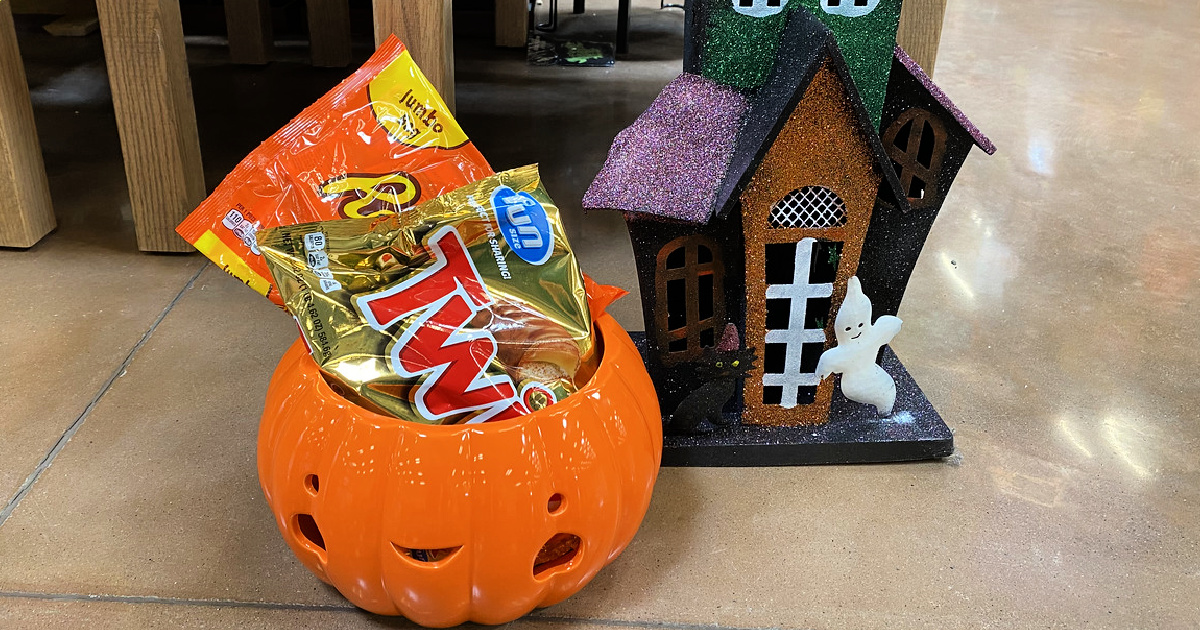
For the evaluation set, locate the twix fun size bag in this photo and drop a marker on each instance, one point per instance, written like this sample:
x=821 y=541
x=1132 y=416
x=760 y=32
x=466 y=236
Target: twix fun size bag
x=379 y=142
x=467 y=308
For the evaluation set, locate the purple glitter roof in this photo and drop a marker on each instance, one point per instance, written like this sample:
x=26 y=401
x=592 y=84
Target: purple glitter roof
x=671 y=160
x=914 y=69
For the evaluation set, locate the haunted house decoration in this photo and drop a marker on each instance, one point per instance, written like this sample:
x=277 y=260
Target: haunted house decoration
x=763 y=225
x=749 y=188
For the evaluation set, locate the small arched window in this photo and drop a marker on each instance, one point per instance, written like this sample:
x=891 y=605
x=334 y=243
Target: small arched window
x=809 y=207
x=849 y=8
x=916 y=142
x=689 y=298
x=759 y=8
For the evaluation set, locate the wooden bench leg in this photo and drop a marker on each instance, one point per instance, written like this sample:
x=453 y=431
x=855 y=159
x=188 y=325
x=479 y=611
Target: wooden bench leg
x=512 y=23
x=152 y=96
x=251 y=36
x=921 y=31
x=25 y=211
x=329 y=32
x=427 y=28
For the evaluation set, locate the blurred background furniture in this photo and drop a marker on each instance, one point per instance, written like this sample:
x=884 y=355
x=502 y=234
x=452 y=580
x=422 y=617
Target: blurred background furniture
x=512 y=23
x=921 y=30
x=25 y=211
x=151 y=91
x=152 y=99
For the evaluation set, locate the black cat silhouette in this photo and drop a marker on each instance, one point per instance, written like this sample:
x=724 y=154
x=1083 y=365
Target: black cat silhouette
x=721 y=372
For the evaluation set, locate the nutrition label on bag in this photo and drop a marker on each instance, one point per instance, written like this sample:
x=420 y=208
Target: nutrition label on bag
x=318 y=261
x=243 y=227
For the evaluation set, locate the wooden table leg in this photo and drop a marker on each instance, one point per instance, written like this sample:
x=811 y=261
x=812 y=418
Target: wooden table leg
x=248 y=25
x=427 y=28
x=921 y=30
x=25 y=211
x=152 y=96
x=329 y=32
x=512 y=23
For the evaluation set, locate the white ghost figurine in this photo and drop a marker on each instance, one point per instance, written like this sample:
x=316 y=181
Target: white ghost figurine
x=858 y=344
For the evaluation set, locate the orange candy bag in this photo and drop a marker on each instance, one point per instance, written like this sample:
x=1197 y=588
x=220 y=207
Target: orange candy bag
x=381 y=141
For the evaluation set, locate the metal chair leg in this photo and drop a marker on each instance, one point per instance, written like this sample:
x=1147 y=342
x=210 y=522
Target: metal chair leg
x=552 y=24
x=622 y=27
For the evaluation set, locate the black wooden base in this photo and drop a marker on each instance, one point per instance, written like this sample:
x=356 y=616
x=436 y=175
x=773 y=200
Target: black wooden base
x=855 y=433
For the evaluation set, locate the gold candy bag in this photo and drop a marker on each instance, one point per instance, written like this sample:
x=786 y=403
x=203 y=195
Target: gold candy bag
x=467 y=308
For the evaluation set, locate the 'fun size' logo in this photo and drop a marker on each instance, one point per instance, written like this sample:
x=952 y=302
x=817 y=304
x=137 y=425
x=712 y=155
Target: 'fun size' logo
x=524 y=225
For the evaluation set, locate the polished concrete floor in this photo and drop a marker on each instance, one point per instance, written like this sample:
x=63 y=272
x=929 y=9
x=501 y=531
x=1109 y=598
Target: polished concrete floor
x=1052 y=321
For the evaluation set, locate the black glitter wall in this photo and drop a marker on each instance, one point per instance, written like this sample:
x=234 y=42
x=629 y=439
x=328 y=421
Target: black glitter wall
x=648 y=236
x=895 y=238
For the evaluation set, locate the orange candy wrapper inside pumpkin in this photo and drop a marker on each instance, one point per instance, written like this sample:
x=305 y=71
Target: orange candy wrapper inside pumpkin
x=381 y=141
x=467 y=308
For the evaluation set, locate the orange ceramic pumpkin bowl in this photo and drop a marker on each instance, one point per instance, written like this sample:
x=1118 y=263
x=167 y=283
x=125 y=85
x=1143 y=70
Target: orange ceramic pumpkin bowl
x=354 y=493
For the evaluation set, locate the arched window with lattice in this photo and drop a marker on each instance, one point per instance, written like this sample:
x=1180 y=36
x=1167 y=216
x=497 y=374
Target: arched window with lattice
x=689 y=297
x=916 y=142
x=811 y=207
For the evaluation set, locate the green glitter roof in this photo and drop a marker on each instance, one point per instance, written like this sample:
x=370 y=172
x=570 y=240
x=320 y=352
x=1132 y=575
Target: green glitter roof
x=867 y=42
x=740 y=50
x=804 y=46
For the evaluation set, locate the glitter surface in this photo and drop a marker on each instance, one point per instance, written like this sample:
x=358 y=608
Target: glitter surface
x=730 y=340
x=854 y=433
x=805 y=45
x=896 y=238
x=982 y=141
x=671 y=161
x=890 y=253
x=867 y=42
x=824 y=143
x=740 y=49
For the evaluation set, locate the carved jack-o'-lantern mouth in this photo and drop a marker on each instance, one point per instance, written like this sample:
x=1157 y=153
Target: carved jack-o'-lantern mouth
x=307 y=533
x=558 y=552
x=429 y=557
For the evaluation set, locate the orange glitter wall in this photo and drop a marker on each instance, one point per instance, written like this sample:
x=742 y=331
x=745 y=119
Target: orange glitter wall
x=822 y=145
